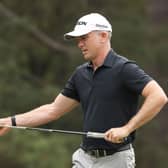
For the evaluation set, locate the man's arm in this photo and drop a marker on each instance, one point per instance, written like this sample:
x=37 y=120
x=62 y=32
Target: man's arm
x=155 y=99
x=42 y=114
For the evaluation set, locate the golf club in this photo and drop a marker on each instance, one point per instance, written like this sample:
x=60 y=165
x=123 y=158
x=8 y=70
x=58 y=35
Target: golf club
x=87 y=134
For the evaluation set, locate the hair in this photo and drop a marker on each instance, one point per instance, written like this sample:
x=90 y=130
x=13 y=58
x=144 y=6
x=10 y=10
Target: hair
x=109 y=33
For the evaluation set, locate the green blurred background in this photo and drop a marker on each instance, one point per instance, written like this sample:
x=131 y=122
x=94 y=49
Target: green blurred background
x=35 y=63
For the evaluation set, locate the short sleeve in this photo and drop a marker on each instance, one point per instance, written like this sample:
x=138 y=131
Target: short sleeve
x=134 y=77
x=70 y=88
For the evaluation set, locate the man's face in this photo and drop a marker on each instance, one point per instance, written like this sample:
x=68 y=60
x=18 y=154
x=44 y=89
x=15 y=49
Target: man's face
x=89 y=44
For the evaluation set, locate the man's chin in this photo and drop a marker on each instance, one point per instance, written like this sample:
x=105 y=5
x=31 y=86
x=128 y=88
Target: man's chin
x=87 y=58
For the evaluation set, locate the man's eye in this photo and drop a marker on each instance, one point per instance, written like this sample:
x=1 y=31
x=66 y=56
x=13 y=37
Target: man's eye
x=84 y=38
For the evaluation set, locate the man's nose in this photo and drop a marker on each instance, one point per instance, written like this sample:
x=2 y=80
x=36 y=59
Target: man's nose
x=80 y=43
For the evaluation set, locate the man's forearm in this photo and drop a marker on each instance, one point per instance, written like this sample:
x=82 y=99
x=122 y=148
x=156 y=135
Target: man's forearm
x=151 y=107
x=43 y=114
x=38 y=116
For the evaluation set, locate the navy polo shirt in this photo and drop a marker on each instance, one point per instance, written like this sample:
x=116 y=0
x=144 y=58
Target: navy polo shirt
x=108 y=96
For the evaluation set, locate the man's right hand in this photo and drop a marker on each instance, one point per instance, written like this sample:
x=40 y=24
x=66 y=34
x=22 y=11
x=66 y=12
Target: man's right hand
x=3 y=122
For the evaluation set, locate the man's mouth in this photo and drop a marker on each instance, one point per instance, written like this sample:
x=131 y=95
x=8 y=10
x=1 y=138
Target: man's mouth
x=84 y=51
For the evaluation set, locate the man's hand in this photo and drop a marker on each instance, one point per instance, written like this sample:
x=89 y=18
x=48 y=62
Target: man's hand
x=4 y=121
x=117 y=135
x=4 y=130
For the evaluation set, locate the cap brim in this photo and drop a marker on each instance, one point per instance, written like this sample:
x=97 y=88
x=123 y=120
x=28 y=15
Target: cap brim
x=75 y=34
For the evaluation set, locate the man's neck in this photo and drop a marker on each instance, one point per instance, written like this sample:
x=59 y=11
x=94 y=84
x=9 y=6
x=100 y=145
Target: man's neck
x=99 y=60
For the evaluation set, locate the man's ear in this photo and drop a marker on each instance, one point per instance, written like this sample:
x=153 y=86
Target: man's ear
x=104 y=36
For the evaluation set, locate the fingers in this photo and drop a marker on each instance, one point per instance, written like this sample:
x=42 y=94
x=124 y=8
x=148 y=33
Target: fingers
x=3 y=131
x=3 y=122
x=114 y=139
x=114 y=136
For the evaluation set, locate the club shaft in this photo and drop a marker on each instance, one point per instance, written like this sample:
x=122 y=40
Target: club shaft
x=44 y=130
x=87 y=134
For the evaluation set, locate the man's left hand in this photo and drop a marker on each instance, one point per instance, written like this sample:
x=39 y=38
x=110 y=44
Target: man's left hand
x=116 y=135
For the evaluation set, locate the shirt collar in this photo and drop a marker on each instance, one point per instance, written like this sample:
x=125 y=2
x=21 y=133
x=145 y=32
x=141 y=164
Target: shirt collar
x=108 y=60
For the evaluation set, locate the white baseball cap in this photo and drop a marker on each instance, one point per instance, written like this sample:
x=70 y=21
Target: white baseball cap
x=88 y=23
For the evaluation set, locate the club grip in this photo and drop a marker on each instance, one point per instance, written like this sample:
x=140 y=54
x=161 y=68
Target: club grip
x=95 y=135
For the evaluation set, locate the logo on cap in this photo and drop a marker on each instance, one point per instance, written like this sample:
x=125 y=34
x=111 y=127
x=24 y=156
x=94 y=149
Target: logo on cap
x=102 y=26
x=81 y=23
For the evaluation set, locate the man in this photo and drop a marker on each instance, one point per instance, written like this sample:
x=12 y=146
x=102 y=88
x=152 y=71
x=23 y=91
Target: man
x=108 y=87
